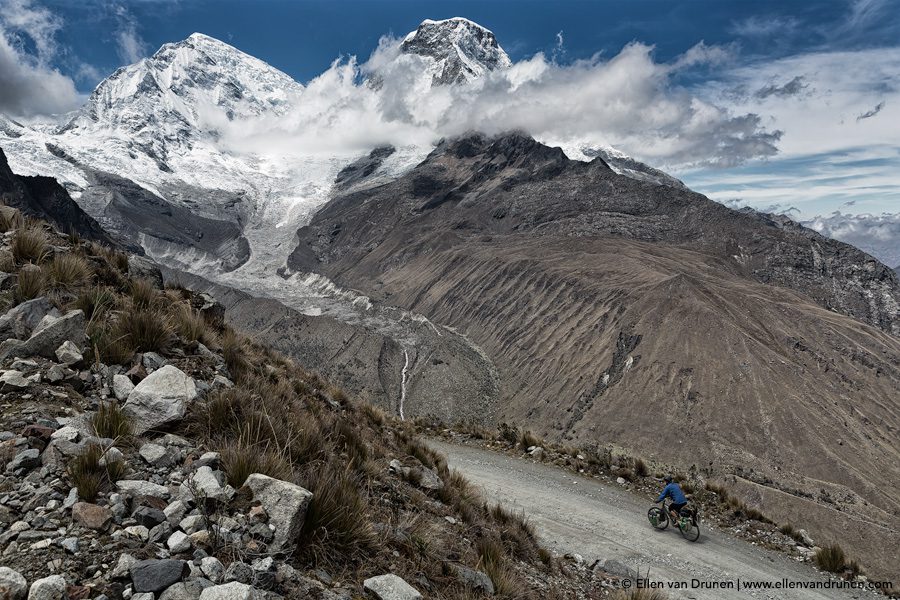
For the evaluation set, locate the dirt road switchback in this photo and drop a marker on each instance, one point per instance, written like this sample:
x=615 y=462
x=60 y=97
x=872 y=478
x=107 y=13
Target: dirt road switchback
x=579 y=515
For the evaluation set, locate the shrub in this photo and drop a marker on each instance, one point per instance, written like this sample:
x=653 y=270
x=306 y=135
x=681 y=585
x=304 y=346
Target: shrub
x=146 y=330
x=30 y=245
x=337 y=520
x=831 y=558
x=142 y=293
x=111 y=422
x=30 y=283
x=68 y=270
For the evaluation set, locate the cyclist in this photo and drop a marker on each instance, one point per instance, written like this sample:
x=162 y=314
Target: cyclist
x=673 y=491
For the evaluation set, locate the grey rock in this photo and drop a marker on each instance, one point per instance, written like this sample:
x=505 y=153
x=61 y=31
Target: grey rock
x=213 y=568
x=20 y=320
x=162 y=397
x=48 y=588
x=70 y=545
x=123 y=566
x=156 y=575
x=143 y=596
x=286 y=505
x=137 y=487
x=144 y=268
x=26 y=459
x=390 y=587
x=68 y=353
x=474 y=580
x=231 y=591
x=175 y=512
x=188 y=590
x=153 y=361
x=160 y=533
x=121 y=387
x=159 y=456
x=13 y=585
x=48 y=335
x=240 y=572
x=13 y=380
x=148 y=517
x=209 y=484
x=67 y=433
x=429 y=480
x=617 y=568
x=178 y=542
x=192 y=523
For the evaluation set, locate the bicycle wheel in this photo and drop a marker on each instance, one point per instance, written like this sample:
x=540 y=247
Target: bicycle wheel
x=689 y=528
x=658 y=517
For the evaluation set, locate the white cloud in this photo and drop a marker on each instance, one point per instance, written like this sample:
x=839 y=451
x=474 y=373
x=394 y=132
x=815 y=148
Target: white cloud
x=879 y=235
x=28 y=84
x=130 y=45
x=629 y=101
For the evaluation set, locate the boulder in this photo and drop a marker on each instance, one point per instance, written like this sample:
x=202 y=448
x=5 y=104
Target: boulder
x=20 y=321
x=13 y=585
x=156 y=575
x=390 y=587
x=50 y=333
x=121 y=387
x=48 y=588
x=231 y=591
x=91 y=516
x=286 y=505
x=68 y=353
x=162 y=397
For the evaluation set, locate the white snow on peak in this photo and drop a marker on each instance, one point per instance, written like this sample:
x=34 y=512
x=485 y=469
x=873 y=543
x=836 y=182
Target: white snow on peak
x=456 y=50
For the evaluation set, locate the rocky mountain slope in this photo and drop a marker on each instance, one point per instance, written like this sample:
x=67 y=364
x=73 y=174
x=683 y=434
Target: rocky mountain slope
x=149 y=451
x=646 y=316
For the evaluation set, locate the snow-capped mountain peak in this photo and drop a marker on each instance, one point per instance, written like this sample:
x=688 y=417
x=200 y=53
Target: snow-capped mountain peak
x=184 y=88
x=458 y=49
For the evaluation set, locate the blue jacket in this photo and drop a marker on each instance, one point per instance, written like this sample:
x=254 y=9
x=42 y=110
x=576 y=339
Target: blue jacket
x=673 y=491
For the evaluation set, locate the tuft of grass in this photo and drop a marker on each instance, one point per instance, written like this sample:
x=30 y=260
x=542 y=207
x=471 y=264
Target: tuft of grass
x=640 y=468
x=30 y=284
x=146 y=329
x=10 y=219
x=337 y=525
x=831 y=558
x=234 y=351
x=111 y=422
x=95 y=302
x=492 y=559
x=190 y=324
x=66 y=271
x=528 y=439
x=142 y=293
x=241 y=459
x=30 y=245
x=89 y=476
x=110 y=346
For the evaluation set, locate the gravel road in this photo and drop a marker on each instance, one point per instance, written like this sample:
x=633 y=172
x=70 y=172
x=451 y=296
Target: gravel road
x=575 y=514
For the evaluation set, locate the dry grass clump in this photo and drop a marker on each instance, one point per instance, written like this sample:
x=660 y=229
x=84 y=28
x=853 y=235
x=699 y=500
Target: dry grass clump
x=145 y=329
x=30 y=245
x=240 y=459
x=110 y=346
x=143 y=293
x=190 y=324
x=30 y=284
x=10 y=218
x=89 y=476
x=337 y=526
x=234 y=351
x=95 y=302
x=66 y=271
x=492 y=560
x=528 y=439
x=640 y=468
x=831 y=558
x=111 y=422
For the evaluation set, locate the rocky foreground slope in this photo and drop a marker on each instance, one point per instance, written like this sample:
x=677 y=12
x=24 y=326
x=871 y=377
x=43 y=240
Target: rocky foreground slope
x=647 y=316
x=147 y=451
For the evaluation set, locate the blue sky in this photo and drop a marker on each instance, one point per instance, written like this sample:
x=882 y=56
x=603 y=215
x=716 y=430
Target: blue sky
x=820 y=78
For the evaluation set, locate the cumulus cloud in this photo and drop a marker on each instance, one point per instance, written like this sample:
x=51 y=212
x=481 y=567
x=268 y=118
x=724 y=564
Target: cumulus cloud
x=629 y=101
x=879 y=235
x=28 y=84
